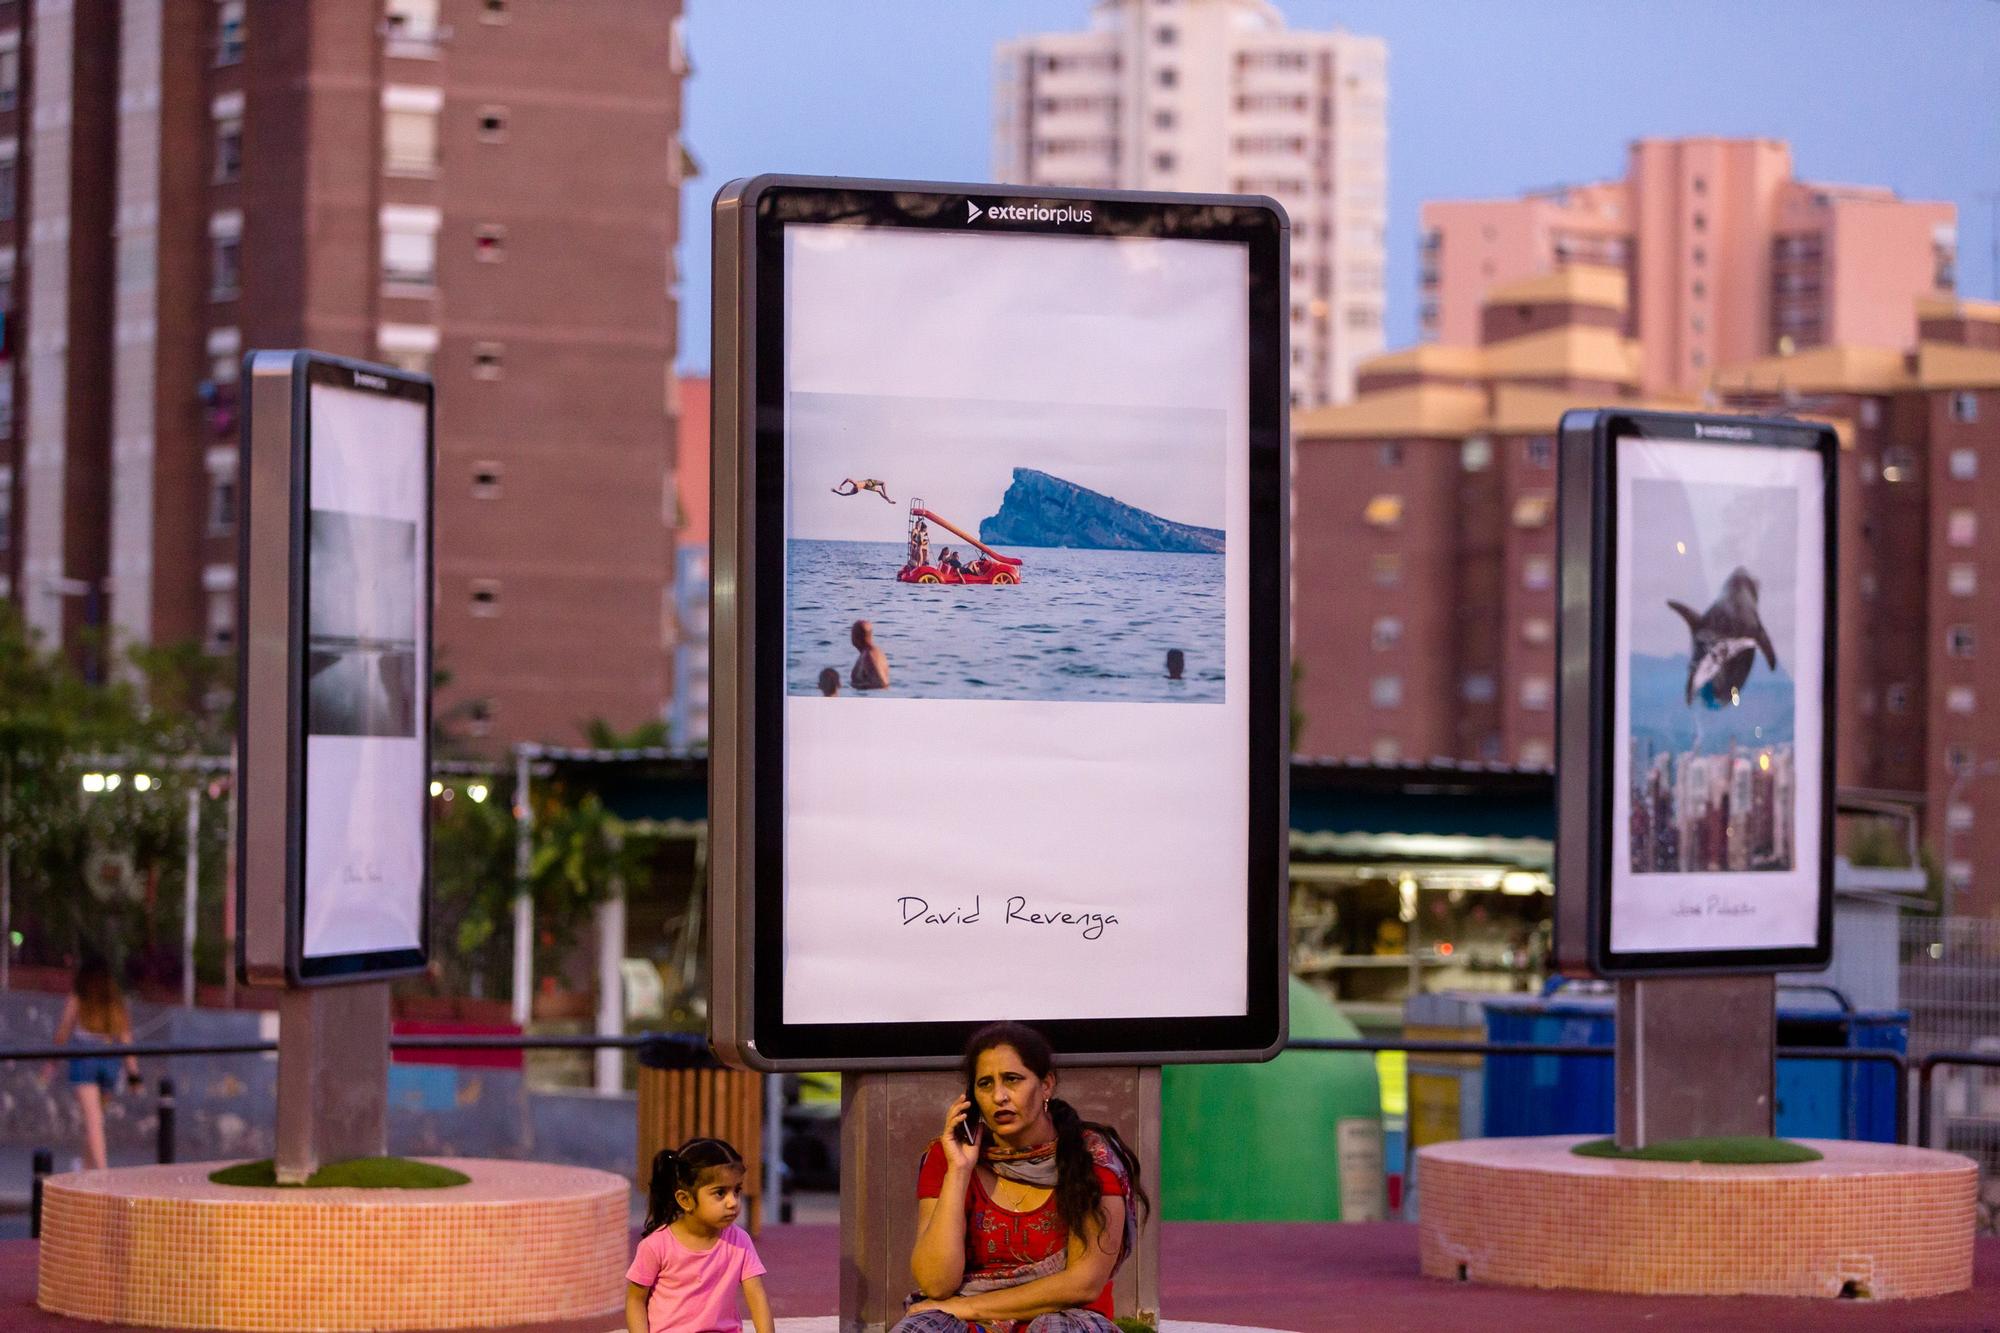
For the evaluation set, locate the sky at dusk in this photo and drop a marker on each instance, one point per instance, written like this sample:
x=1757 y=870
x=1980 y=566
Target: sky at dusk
x=1487 y=98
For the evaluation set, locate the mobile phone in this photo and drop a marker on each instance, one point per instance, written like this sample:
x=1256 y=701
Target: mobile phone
x=968 y=1128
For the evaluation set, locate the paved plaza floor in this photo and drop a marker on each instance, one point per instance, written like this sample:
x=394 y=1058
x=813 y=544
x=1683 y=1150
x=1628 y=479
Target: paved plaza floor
x=1298 y=1277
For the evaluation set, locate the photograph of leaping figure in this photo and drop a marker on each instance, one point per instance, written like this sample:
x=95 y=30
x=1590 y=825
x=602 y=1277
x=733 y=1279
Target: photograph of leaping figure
x=1713 y=765
x=849 y=486
x=1725 y=638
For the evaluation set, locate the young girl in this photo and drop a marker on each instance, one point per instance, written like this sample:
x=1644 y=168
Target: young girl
x=692 y=1256
x=95 y=1016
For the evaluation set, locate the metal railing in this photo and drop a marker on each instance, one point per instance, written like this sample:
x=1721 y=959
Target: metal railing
x=670 y=1049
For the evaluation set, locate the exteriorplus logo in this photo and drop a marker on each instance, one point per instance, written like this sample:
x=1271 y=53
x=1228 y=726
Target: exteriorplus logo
x=1026 y=213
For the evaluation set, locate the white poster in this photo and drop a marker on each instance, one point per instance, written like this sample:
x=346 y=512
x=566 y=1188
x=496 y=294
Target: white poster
x=1016 y=639
x=1719 y=697
x=366 y=674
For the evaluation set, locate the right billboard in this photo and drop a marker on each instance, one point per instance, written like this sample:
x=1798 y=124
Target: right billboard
x=1696 y=648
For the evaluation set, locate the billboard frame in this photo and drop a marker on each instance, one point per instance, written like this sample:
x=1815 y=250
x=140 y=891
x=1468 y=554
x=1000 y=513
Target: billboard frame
x=272 y=617
x=1586 y=701
x=746 y=716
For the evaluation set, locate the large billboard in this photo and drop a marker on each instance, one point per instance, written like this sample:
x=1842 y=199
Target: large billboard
x=334 y=735
x=1000 y=567
x=1697 y=650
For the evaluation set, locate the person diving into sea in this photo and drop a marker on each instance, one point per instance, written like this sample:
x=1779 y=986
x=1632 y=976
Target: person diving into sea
x=848 y=486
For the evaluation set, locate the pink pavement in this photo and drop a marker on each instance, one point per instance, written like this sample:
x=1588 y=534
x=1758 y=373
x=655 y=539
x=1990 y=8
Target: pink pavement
x=1307 y=1277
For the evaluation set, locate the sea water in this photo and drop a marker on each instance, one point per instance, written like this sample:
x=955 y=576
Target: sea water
x=1080 y=626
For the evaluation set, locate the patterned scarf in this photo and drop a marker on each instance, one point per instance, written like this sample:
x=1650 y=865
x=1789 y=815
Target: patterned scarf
x=1036 y=1167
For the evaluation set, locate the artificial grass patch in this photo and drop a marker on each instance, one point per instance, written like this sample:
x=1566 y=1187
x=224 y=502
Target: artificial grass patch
x=1736 y=1150
x=369 y=1173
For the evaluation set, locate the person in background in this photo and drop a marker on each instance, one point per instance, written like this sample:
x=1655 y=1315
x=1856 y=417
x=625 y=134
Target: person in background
x=95 y=1016
x=1176 y=663
x=829 y=682
x=871 y=667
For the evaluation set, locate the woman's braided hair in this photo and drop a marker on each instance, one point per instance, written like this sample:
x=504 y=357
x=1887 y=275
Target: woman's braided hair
x=1079 y=1196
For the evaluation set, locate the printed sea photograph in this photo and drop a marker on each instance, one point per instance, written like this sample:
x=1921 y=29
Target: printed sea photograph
x=953 y=549
x=1712 y=697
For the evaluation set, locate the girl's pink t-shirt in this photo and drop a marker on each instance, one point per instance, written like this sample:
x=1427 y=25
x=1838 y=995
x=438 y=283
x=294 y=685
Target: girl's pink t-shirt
x=694 y=1291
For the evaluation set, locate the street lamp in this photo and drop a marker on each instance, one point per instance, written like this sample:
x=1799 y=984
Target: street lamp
x=1972 y=768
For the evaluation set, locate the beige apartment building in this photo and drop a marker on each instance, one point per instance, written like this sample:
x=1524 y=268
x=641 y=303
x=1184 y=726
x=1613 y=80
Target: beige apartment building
x=1220 y=96
x=1727 y=256
x=485 y=190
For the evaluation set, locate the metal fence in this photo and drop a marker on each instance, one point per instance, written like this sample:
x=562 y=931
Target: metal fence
x=1950 y=982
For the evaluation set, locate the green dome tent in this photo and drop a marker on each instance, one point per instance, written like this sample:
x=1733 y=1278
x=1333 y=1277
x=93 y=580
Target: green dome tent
x=1261 y=1143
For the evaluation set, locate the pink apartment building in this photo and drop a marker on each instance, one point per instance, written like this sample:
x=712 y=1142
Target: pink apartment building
x=1727 y=256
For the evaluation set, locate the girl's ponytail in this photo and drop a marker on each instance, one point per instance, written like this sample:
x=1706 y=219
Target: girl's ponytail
x=661 y=1205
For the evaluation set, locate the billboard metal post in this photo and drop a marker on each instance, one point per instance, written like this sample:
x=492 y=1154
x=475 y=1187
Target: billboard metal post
x=332 y=816
x=191 y=894
x=524 y=902
x=1695 y=731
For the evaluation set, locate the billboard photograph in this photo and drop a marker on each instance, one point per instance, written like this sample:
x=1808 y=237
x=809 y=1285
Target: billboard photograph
x=1719 y=722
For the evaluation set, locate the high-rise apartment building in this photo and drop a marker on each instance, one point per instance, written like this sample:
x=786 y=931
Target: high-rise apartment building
x=1425 y=602
x=1727 y=256
x=1220 y=96
x=486 y=190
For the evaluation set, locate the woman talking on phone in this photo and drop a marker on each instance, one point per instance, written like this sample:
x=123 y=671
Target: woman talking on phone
x=1024 y=1210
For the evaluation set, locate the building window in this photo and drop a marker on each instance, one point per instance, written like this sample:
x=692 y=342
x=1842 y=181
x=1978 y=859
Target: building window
x=412 y=27
x=1962 y=528
x=225 y=275
x=1476 y=454
x=6 y=507
x=1533 y=509
x=1386 y=570
x=1898 y=464
x=1386 y=750
x=493 y=124
x=410 y=130
x=493 y=11
x=1386 y=692
x=1384 y=511
x=225 y=351
x=10 y=179
x=409 y=246
x=1477 y=688
x=1965 y=407
x=1537 y=630
x=1165 y=35
x=1542 y=451
x=488 y=361
x=479 y=717
x=1534 y=754
x=408 y=347
x=1386 y=634
x=1537 y=573
x=10 y=69
x=1958 y=640
x=486 y=597
x=229 y=32
x=219 y=630
x=1964 y=465
x=486 y=480
x=1958 y=699
x=1163 y=120
x=1168 y=77
x=1390 y=454
x=1958 y=817
x=1701 y=222
x=489 y=243
x=1957 y=759
x=1962 y=580
x=1871 y=413
x=6 y=402
x=1896 y=698
x=1536 y=692
x=1163 y=161
x=228 y=150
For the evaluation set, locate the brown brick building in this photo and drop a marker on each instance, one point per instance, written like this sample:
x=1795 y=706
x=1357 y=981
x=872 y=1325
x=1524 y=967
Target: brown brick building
x=1424 y=605
x=486 y=190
